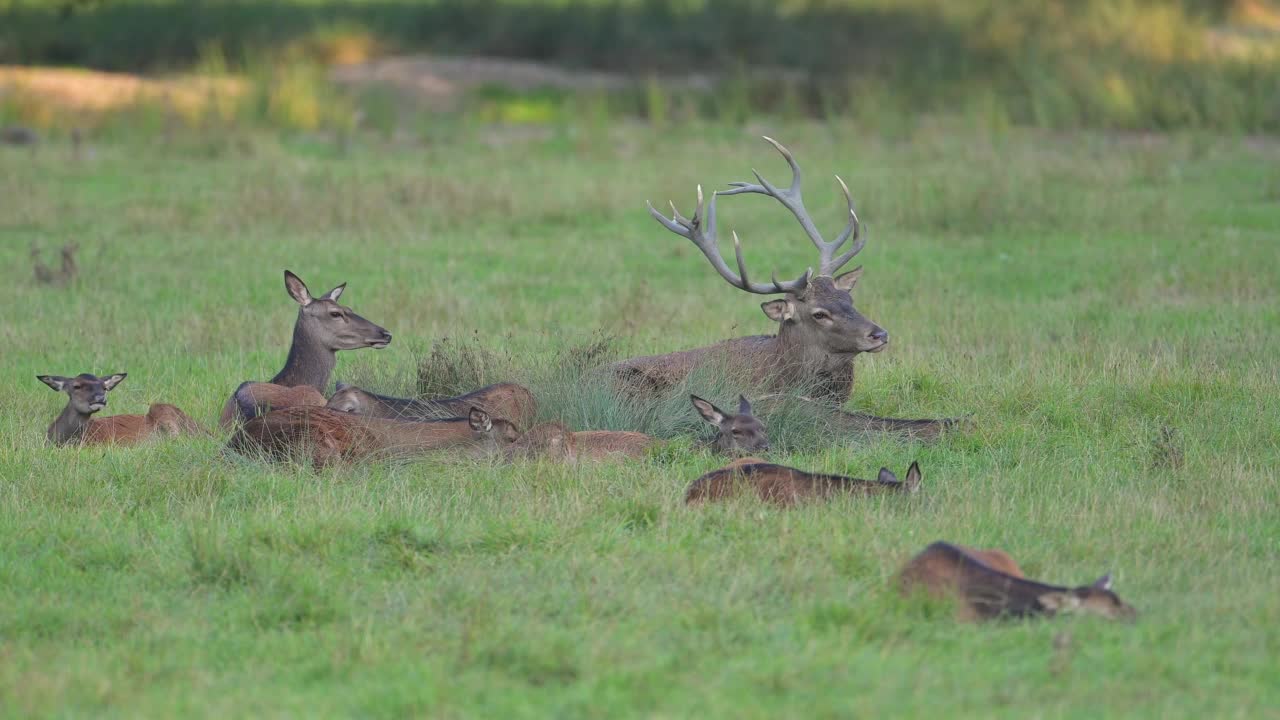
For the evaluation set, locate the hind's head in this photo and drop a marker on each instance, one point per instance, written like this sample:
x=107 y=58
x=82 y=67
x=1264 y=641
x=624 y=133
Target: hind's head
x=736 y=434
x=88 y=393
x=350 y=399
x=1095 y=599
x=551 y=440
x=491 y=433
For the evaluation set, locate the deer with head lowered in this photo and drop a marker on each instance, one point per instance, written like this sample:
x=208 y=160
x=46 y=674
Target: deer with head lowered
x=785 y=486
x=988 y=584
x=820 y=332
x=327 y=436
x=505 y=400
x=736 y=434
x=88 y=394
x=322 y=329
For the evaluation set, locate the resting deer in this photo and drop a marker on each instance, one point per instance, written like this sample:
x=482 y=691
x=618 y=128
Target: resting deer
x=504 y=400
x=819 y=330
x=556 y=441
x=88 y=395
x=46 y=275
x=322 y=329
x=740 y=434
x=329 y=436
x=985 y=591
x=786 y=486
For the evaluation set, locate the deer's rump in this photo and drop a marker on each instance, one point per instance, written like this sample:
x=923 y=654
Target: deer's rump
x=161 y=419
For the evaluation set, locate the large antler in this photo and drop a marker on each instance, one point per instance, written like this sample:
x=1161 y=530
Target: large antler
x=703 y=235
x=791 y=200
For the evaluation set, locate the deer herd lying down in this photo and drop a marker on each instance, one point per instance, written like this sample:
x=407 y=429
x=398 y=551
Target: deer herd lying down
x=819 y=334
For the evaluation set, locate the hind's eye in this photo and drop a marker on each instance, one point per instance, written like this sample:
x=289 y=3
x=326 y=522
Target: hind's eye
x=335 y=314
x=738 y=433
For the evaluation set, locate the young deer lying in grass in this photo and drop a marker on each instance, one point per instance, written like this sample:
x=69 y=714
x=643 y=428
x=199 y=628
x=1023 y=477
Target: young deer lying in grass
x=505 y=400
x=786 y=486
x=556 y=441
x=329 y=436
x=740 y=434
x=322 y=329
x=986 y=590
x=88 y=395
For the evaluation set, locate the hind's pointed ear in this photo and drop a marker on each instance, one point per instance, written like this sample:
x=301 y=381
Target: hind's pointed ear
x=913 y=474
x=886 y=475
x=779 y=310
x=744 y=405
x=1057 y=602
x=709 y=412
x=849 y=279
x=57 y=382
x=297 y=289
x=111 y=381
x=1102 y=583
x=479 y=420
x=335 y=293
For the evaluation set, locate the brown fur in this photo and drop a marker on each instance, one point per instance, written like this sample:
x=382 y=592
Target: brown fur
x=557 y=442
x=330 y=436
x=266 y=397
x=786 y=486
x=983 y=590
x=503 y=400
x=161 y=420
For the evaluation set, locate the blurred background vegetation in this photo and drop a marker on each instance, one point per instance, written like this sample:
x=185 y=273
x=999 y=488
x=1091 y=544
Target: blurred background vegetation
x=335 y=66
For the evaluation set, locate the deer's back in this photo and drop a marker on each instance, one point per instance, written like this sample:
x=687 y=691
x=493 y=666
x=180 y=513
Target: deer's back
x=779 y=484
x=326 y=435
x=256 y=398
x=601 y=444
x=117 y=429
x=981 y=590
x=653 y=373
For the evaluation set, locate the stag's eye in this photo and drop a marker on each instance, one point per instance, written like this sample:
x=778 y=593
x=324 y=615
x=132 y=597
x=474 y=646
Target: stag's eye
x=821 y=315
x=335 y=314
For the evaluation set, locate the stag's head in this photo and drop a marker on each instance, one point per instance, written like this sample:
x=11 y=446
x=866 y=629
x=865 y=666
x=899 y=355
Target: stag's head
x=333 y=326
x=88 y=392
x=816 y=309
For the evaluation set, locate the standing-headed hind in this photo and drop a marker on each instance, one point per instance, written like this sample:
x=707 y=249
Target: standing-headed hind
x=820 y=332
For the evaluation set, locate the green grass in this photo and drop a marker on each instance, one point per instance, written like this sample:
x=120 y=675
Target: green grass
x=1076 y=293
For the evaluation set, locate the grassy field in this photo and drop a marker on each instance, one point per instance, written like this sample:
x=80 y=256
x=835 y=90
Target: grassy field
x=1075 y=292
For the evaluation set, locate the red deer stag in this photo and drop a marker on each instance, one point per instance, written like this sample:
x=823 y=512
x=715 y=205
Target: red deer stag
x=505 y=400
x=786 y=486
x=985 y=590
x=820 y=332
x=328 y=436
x=322 y=329
x=88 y=395
x=740 y=434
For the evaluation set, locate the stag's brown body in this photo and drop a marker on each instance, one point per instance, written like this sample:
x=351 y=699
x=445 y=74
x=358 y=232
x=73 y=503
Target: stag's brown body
x=322 y=329
x=502 y=400
x=819 y=330
x=328 y=436
x=988 y=584
x=786 y=486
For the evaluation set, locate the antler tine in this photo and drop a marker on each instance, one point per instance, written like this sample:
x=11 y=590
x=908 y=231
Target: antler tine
x=854 y=229
x=702 y=233
x=792 y=200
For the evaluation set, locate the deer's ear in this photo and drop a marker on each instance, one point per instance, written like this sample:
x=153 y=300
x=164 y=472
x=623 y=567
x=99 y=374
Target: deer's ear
x=709 y=412
x=339 y=386
x=913 y=475
x=479 y=420
x=779 y=310
x=744 y=405
x=1059 y=601
x=335 y=293
x=849 y=279
x=297 y=289
x=887 y=476
x=1103 y=583
x=111 y=381
x=57 y=382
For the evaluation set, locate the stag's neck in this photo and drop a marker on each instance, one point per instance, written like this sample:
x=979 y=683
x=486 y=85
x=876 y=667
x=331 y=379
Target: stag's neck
x=309 y=362
x=803 y=363
x=69 y=427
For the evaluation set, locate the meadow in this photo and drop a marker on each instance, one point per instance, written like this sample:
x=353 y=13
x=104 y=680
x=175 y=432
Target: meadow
x=1078 y=293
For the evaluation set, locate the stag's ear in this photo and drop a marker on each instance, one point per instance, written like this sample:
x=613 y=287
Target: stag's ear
x=744 y=405
x=849 y=279
x=479 y=420
x=887 y=476
x=1102 y=583
x=57 y=382
x=779 y=310
x=709 y=412
x=1059 y=601
x=111 y=381
x=297 y=289
x=335 y=293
